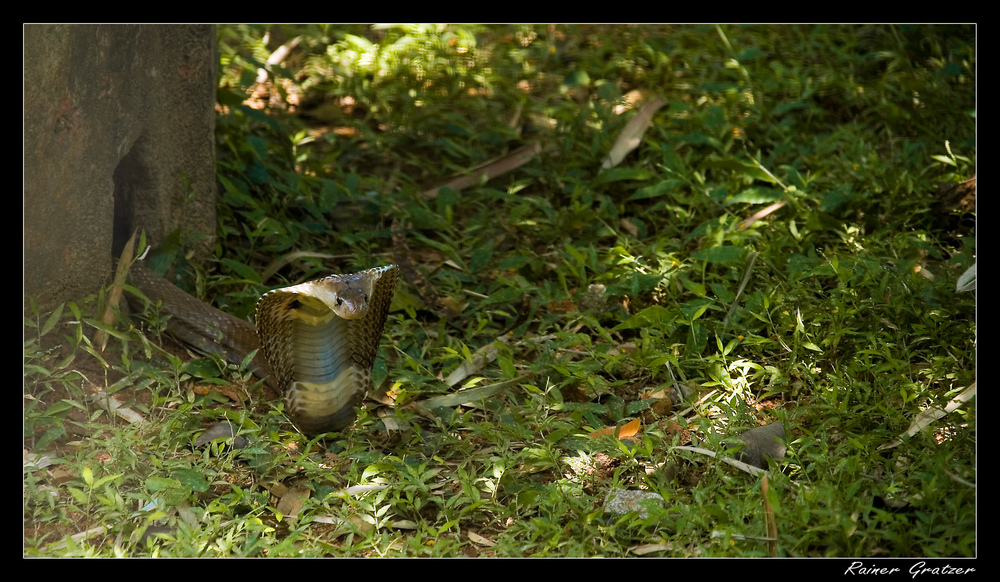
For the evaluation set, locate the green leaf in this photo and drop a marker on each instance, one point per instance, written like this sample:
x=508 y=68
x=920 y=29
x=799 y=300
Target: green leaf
x=757 y=196
x=697 y=339
x=78 y=495
x=812 y=346
x=106 y=479
x=191 y=479
x=50 y=437
x=246 y=273
x=723 y=254
x=654 y=315
x=751 y=54
x=660 y=189
x=63 y=405
x=577 y=78
x=698 y=138
x=835 y=197
x=52 y=320
x=692 y=310
x=634 y=407
x=696 y=288
x=723 y=292
x=580 y=407
x=162 y=484
x=738 y=168
x=203 y=368
x=618 y=174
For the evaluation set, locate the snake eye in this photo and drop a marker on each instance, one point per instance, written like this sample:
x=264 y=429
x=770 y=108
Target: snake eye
x=340 y=301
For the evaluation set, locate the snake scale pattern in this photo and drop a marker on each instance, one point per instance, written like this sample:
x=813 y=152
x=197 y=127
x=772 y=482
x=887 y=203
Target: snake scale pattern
x=317 y=340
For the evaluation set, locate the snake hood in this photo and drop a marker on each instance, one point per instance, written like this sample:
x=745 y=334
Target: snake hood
x=317 y=340
x=320 y=339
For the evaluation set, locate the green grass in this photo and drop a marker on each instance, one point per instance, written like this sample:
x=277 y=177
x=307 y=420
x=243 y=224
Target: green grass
x=835 y=315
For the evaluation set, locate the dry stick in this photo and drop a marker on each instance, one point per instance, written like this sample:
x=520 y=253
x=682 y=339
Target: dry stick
x=747 y=272
x=761 y=214
x=772 y=208
x=277 y=57
x=772 y=527
x=115 y=295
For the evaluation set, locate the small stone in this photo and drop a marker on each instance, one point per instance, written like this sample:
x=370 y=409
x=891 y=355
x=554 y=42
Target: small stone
x=622 y=501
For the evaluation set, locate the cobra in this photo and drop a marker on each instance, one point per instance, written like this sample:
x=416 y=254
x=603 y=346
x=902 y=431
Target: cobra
x=317 y=341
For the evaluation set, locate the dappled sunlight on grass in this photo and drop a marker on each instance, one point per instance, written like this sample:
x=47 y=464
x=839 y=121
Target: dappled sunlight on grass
x=770 y=248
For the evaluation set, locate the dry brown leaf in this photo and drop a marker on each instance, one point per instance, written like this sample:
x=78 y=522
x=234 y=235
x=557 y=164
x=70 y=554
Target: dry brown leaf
x=227 y=391
x=113 y=406
x=625 y=432
x=630 y=429
x=483 y=356
x=489 y=170
x=293 y=500
x=480 y=540
x=623 y=348
x=629 y=226
x=631 y=135
x=652 y=549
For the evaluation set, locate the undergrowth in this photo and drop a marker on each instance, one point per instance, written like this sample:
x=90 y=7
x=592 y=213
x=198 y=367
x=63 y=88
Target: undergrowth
x=597 y=288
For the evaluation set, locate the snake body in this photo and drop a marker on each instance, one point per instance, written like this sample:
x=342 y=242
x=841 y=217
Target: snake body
x=320 y=339
x=317 y=340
